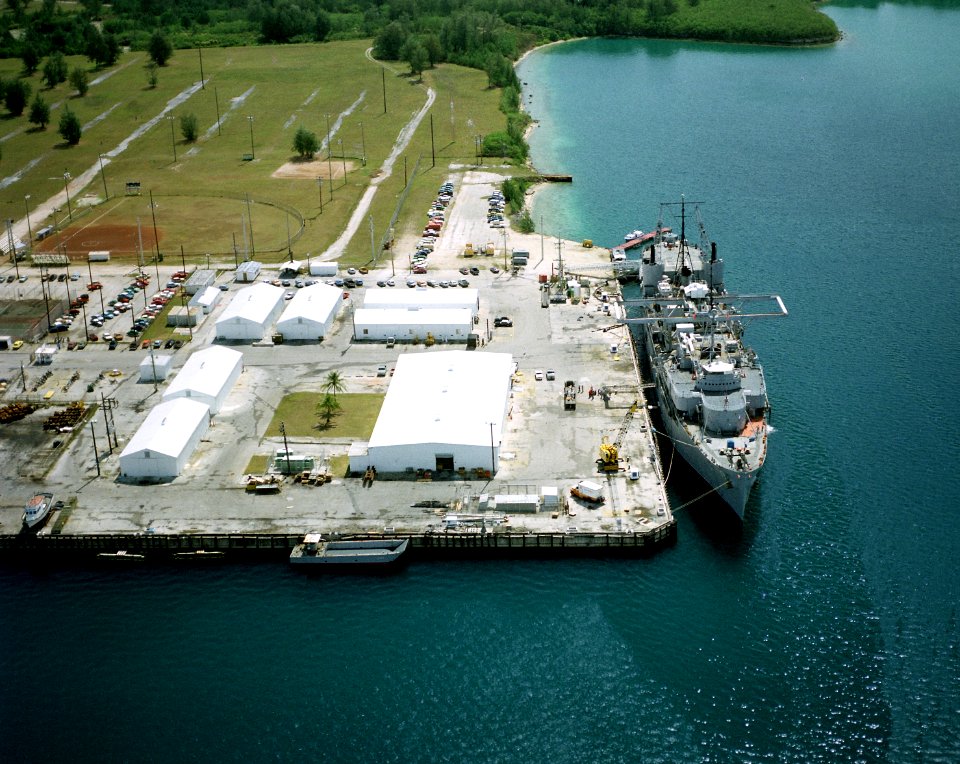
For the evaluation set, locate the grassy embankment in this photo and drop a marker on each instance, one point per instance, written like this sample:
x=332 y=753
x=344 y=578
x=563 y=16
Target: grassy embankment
x=200 y=197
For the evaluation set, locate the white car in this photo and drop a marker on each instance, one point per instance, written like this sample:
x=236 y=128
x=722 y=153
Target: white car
x=538 y=375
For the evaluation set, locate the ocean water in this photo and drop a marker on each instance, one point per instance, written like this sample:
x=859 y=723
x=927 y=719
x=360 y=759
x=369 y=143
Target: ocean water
x=822 y=630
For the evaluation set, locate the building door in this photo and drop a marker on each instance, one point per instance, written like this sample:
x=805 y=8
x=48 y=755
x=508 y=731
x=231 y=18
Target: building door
x=444 y=462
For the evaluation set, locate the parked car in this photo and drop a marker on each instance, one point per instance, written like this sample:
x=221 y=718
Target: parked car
x=503 y=321
x=538 y=375
x=551 y=374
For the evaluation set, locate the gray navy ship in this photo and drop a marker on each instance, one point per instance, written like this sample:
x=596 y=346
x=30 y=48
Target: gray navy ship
x=710 y=387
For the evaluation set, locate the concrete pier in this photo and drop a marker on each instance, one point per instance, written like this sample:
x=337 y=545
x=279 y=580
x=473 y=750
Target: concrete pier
x=545 y=444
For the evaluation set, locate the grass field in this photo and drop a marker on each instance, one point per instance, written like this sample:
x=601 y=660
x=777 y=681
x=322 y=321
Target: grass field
x=210 y=199
x=356 y=418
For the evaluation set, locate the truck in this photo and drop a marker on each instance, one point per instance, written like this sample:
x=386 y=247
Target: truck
x=98 y=256
x=589 y=491
x=569 y=395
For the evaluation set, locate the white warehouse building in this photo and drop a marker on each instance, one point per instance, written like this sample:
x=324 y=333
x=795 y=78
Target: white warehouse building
x=165 y=441
x=207 y=377
x=250 y=313
x=423 y=298
x=443 y=411
x=311 y=312
x=407 y=325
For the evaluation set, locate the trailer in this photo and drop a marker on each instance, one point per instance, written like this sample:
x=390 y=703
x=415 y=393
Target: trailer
x=569 y=395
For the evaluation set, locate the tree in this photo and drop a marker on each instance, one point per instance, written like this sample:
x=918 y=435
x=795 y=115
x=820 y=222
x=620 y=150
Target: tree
x=30 y=57
x=322 y=26
x=16 y=96
x=333 y=383
x=79 y=81
x=305 y=143
x=388 y=43
x=327 y=407
x=189 y=127
x=39 y=112
x=415 y=55
x=152 y=77
x=70 y=128
x=55 y=70
x=159 y=48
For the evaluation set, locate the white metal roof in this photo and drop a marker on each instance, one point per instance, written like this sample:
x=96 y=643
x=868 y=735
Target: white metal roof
x=448 y=396
x=421 y=298
x=155 y=360
x=412 y=316
x=253 y=303
x=314 y=303
x=206 y=372
x=168 y=427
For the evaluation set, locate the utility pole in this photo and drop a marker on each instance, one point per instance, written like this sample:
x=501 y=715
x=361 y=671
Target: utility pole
x=200 y=51
x=96 y=452
x=106 y=194
x=286 y=448
x=156 y=237
x=216 y=101
x=383 y=76
x=433 y=151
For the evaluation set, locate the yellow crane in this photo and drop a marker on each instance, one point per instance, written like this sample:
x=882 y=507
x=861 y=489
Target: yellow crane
x=609 y=460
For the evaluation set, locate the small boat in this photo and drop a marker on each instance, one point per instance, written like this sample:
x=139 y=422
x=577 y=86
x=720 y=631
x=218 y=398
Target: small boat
x=123 y=555
x=359 y=553
x=199 y=554
x=35 y=511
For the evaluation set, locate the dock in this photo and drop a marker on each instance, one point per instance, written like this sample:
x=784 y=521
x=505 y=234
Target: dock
x=576 y=343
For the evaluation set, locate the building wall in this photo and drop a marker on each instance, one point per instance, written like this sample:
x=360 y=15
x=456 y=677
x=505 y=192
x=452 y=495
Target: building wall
x=423 y=456
x=301 y=328
x=379 y=331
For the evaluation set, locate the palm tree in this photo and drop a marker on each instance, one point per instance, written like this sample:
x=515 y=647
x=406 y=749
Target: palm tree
x=327 y=407
x=333 y=383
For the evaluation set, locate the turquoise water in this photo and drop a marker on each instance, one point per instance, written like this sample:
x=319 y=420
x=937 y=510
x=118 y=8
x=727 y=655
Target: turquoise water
x=823 y=630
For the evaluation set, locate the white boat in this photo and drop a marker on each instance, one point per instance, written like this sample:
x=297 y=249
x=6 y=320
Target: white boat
x=374 y=553
x=37 y=508
x=122 y=555
x=200 y=554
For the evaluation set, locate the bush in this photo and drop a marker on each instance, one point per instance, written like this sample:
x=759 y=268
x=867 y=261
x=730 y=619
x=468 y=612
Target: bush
x=189 y=127
x=16 y=96
x=70 y=129
x=305 y=143
x=39 y=112
x=79 y=81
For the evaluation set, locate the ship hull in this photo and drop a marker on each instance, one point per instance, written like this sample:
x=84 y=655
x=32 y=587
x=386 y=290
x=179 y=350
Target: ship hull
x=733 y=486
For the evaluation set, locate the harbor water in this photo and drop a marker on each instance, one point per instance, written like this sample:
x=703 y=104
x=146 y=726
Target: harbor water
x=824 y=629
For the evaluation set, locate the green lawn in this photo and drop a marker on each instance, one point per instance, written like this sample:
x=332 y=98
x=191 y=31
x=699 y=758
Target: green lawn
x=201 y=198
x=356 y=418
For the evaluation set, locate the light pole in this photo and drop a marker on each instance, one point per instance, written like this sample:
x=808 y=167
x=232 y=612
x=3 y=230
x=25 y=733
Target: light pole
x=252 y=154
x=66 y=189
x=173 y=137
x=26 y=207
x=320 y=189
